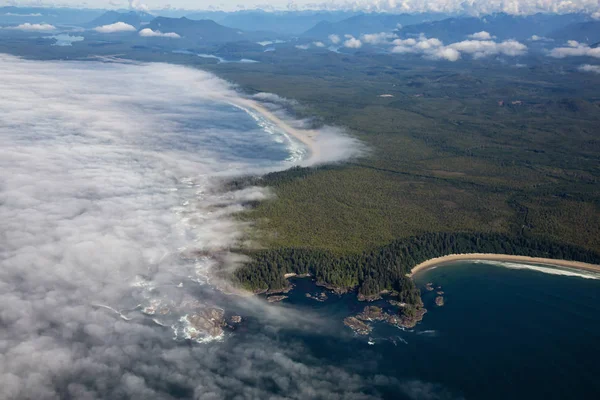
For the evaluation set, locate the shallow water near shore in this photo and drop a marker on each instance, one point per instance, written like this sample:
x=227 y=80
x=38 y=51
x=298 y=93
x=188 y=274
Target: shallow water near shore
x=502 y=333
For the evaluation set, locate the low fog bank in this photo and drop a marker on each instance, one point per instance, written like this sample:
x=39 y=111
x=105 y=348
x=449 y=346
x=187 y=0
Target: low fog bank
x=331 y=144
x=108 y=208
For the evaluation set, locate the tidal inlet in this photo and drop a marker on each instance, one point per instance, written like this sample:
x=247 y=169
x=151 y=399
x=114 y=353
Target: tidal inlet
x=114 y=219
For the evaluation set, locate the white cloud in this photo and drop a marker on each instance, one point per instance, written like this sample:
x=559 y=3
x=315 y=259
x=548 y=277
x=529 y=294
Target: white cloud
x=353 y=43
x=426 y=44
x=536 y=38
x=9 y=14
x=108 y=188
x=575 y=49
x=335 y=39
x=590 y=68
x=33 y=27
x=445 y=53
x=402 y=46
x=319 y=44
x=472 y=7
x=378 y=38
x=483 y=35
x=147 y=32
x=596 y=15
x=302 y=46
x=435 y=49
x=485 y=48
x=138 y=5
x=116 y=27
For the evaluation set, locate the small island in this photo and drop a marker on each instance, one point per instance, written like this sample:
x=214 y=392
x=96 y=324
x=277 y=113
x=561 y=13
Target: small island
x=408 y=318
x=321 y=297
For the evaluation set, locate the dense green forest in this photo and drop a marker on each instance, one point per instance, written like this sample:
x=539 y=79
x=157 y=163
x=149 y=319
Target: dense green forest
x=466 y=157
x=385 y=268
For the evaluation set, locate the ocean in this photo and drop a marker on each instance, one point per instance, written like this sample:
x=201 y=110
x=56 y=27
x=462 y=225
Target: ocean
x=502 y=334
x=112 y=211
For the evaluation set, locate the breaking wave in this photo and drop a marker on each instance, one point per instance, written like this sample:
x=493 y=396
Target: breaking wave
x=546 y=269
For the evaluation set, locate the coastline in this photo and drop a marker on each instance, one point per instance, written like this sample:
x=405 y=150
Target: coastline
x=434 y=262
x=305 y=136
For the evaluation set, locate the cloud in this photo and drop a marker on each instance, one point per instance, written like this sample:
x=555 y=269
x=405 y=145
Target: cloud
x=536 y=38
x=445 y=53
x=302 y=46
x=335 y=39
x=596 y=15
x=137 y=5
x=575 y=49
x=147 y=32
x=434 y=48
x=319 y=44
x=486 y=48
x=110 y=203
x=9 y=14
x=513 y=7
x=353 y=43
x=33 y=27
x=483 y=35
x=426 y=44
x=116 y=27
x=590 y=68
x=378 y=38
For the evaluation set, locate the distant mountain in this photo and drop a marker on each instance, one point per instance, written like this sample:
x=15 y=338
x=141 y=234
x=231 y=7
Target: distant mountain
x=368 y=23
x=66 y=16
x=502 y=26
x=205 y=30
x=585 y=32
x=134 y=18
x=285 y=23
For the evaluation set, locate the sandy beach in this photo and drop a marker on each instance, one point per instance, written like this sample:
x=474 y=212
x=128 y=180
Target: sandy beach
x=502 y=257
x=305 y=136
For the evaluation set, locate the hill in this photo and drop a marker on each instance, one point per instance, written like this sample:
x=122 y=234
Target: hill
x=18 y=15
x=285 y=23
x=585 y=32
x=502 y=26
x=205 y=30
x=133 y=18
x=367 y=23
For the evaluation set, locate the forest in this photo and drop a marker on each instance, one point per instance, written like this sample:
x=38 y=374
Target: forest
x=452 y=166
x=386 y=268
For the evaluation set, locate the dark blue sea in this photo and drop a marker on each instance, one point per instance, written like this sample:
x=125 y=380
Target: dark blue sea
x=502 y=334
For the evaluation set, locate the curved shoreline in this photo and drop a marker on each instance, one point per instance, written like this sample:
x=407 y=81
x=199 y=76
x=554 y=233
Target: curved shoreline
x=504 y=258
x=305 y=136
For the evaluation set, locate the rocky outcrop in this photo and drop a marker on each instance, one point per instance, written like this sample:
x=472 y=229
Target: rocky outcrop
x=357 y=326
x=372 y=313
x=318 y=297
x=276 y=299
x=439 y=301
x=208 y=321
